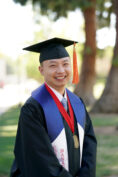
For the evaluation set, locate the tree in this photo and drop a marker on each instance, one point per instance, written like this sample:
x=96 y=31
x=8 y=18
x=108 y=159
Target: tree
x=108 y=102
x=87 y=77
x=85 y=87
x=104 y=10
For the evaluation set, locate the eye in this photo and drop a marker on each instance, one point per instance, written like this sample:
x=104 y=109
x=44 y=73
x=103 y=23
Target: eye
x=52 y=65
x=66 y=64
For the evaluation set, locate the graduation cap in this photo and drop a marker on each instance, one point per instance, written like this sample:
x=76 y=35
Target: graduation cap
x=55 y=49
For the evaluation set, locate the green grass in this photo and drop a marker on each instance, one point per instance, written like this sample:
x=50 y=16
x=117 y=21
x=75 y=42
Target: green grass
x=8 y=126
x=107 y=154
x=6 y=154
x=10 y=117
x=104 y=120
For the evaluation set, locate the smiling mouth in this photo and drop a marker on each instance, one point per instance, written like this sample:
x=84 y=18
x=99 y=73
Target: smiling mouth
x=61 y=78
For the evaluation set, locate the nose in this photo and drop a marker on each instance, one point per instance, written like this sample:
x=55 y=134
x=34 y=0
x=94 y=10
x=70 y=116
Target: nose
x=60 y=69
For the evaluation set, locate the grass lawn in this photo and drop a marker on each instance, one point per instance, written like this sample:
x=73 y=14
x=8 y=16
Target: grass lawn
x=8 y=127
x=101 y=120
x=107 y=156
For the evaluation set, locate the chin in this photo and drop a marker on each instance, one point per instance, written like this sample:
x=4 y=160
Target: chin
x=61 y=84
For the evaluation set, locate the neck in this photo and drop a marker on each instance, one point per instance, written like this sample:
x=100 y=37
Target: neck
x=61 y=90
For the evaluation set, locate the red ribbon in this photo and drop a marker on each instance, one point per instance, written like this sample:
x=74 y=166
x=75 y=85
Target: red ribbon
x=69 y=119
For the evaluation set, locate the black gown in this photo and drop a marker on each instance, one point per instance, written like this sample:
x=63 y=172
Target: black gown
x=34 y=154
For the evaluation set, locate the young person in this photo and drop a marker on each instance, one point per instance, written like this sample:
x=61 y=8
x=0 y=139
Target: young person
x=55 y=136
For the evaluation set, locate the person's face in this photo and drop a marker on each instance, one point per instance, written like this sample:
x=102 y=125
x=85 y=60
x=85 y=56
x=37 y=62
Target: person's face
x=56 y=72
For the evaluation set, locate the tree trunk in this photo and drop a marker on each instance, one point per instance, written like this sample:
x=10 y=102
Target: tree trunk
x=108 y=102
x=87 y=77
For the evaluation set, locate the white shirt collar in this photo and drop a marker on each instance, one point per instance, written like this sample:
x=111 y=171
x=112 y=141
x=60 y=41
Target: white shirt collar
x=59 y=96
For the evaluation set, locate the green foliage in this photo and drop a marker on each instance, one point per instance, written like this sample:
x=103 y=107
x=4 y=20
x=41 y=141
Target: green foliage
x=32 y=67
x=58 y=6
x=104 y=10
x=22 y=2
x=86 y=4
x=105 y=53
x=27 y=66
x=115 y=61
x=100 y=53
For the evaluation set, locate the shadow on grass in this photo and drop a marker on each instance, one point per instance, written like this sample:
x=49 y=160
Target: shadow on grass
x=6 y=154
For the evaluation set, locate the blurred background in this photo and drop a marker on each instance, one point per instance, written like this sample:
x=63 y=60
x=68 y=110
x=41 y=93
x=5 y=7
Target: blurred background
x=94 y=24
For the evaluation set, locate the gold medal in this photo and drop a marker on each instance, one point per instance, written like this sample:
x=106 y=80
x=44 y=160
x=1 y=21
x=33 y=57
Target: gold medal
x=76 y=141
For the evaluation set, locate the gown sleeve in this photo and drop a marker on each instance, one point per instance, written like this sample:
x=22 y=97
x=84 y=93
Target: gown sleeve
x=34 y=153
x=88 y=167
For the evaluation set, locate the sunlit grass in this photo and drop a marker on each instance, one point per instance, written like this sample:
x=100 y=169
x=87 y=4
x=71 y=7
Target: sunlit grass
x=10 y=117
x=9 y=130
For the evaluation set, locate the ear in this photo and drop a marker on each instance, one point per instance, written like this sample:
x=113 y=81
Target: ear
x=40 y=68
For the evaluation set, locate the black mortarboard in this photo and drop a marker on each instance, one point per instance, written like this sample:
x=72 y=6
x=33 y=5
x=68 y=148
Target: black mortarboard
x=51 y=49
x=55 y=49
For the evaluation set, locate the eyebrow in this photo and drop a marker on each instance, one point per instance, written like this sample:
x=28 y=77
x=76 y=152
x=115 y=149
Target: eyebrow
x=52 y=61
x=66 y=60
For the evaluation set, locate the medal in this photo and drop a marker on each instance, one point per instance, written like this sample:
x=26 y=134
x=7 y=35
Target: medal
x=76 y=141
x=69 y=118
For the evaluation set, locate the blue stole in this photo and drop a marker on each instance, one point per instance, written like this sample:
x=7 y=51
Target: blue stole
x=53 y=117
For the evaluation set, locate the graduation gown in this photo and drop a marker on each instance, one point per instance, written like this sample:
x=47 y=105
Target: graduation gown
x=34 y=154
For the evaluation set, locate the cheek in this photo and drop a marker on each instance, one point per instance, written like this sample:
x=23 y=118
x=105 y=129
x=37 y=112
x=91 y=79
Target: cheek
x=48 y=73
x=51 y=71
x=69 y=70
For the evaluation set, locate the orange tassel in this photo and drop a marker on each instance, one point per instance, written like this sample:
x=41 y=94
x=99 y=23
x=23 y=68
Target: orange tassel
x=75 y=68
